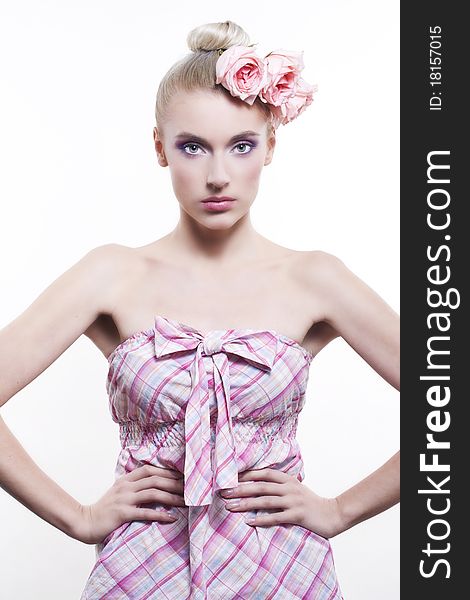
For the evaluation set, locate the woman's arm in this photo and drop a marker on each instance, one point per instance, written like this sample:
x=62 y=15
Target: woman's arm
x=372 y=328
x=374 y=494
x=28 y=345
x=358 y=314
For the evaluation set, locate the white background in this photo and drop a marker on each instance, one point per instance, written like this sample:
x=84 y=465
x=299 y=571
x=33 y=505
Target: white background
x=79 y=170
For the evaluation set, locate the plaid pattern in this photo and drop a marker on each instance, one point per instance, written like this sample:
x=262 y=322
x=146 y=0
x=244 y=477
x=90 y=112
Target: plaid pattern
x=210 y=406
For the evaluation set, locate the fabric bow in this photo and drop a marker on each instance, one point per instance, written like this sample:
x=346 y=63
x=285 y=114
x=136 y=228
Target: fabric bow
x=204 y=474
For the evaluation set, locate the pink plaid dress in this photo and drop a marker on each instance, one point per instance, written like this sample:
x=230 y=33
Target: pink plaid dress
x=210 y=406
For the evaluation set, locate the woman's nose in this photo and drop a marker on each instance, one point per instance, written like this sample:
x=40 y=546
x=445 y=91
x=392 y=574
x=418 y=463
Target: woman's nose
x=217 y=175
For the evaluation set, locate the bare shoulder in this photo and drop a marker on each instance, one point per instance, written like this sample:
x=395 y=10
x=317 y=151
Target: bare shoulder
x=312 y=270
x=108 y=255
x=318 y=264
x=318 y=270
x=109 y=265
x=62 y=312
x=336 y=287
x=356 y=311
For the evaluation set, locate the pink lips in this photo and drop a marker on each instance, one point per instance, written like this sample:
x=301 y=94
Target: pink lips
x=218 y=203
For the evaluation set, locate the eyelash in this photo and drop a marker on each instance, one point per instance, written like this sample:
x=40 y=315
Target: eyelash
x=251 y=145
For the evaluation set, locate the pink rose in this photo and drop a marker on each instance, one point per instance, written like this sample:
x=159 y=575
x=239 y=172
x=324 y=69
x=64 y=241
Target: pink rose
x=296 y=104
x=241 y=72
x=283 y=67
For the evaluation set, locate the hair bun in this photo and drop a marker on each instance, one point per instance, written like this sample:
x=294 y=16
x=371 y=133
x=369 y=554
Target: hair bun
x=212 y=36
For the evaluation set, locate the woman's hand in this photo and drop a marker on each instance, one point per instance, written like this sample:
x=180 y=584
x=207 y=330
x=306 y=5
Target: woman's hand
x=295 y=502
x=120 y=503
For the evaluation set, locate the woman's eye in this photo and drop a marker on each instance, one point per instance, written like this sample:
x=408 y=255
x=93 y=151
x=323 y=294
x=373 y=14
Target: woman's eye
x=245 y=145
x=192 y=146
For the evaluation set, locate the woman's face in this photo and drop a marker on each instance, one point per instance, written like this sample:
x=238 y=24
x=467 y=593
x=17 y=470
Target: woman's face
x=214 y=146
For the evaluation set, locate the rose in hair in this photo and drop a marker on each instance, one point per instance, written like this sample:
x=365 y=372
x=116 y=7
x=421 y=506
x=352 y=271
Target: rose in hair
x=283 y=67
x=296 y=104
x=242 y=72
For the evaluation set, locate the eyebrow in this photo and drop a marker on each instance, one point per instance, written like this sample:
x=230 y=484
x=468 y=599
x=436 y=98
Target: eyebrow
x=196 y=138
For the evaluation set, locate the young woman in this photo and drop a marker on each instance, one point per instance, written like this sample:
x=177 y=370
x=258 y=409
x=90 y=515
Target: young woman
x=209 y=333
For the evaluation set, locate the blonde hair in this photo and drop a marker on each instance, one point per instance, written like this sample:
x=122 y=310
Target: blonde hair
x=197 y=70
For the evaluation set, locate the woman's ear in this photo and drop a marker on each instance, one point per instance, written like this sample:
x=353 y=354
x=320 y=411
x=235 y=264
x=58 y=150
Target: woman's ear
x=162 y=161
x=271 y=143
